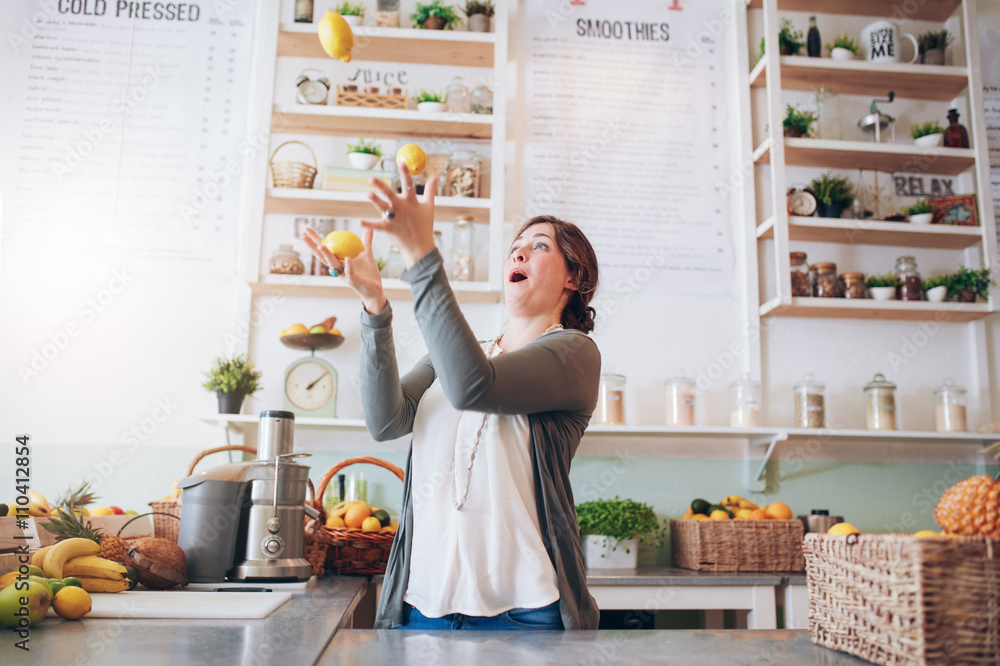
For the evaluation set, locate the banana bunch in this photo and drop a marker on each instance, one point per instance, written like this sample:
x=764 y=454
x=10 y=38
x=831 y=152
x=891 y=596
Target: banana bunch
x=78 y=558
x=737 y=502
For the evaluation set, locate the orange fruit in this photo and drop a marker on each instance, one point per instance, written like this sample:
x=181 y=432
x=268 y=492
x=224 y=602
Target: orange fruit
x=758 y=514
x=687 y=514
x=843 y=529
x=719 y=514
x=356 y=514
x=778 y=511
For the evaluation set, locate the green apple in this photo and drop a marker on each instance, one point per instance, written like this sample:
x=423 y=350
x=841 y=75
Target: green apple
x=317 y=329
x=24 y=607
x=43 y=581
x=36 y=571
x=75 y=582
x=131 y=512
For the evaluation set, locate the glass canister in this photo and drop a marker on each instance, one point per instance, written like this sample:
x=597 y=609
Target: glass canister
x=852 y=285
x=481 y=100
x=610 y=401
x=286 y=261
x=680 y=401
x=462 y=174
x=457 y=96
x=800 y=274
x=463 y=250
x=746 y=402
x=828 y=109
x=395 y=265
x=303 y=11
x=824 y=280
x=810 y=403
x=387 y=13
x=880 y=404
x=949 y=407
x=910 y=285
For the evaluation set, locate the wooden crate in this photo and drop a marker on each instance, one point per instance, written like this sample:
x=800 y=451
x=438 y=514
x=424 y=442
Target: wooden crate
x=370 y=100
x=738 y=545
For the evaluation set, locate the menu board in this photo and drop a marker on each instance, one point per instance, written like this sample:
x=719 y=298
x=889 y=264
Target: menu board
x=625 y=135
x=989 y=46
x=123 y=130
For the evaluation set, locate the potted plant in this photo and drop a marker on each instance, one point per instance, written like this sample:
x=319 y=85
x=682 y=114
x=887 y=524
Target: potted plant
x=928 y=134
x=936 y=288
x=611 y=530
x=353 y=14
x=969 y=283
x=833 y=194
x=789 y=39
x=232 y=380
x=843 y=48
x=932 y=45
x=882 y=287
x=919 y=212
x=363 y=154
x=428 y=100
x=797 y=121
x=479 y=13
x=434 y=16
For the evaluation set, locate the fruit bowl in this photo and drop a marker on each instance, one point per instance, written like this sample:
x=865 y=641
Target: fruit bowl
x=312 y=341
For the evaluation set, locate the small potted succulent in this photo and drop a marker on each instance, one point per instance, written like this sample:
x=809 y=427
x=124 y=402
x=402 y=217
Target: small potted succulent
x=611 y=531
x=833 y=194
x=919 y=212
x=882 y=287
x=232 y=380
x=789 y=39
x=479 y=13
x=928 y=134
x=429 y=100
x=843 y=48
x=968 y=283
x=936 y=288
x=797 y=121
x=932 y=45
x=353 y=14
x=363 y=154
x=434 y=16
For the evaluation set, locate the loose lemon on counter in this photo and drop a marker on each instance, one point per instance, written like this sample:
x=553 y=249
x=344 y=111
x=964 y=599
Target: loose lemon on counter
x=344 y=244
x=719 y=514
x=927 y=533
x=843 y=529
x=778 y=511
x=72 y=603
x=413 y=156
x=336 y=36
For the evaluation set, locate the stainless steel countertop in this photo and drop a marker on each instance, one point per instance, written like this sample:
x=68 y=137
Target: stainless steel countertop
x=528 y=648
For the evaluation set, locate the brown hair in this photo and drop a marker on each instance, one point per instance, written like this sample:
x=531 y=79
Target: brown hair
x=581 y=262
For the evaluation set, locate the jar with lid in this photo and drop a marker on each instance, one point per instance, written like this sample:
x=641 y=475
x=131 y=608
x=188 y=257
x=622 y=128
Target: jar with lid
x=746 y=402
x=824 y=280
x=303 y=11
x=610 y=401
x=286 y=261
x=481 y=100
x=395 y=265
x=680 y=401
x=462 y=174
x=457 y=96
x=810 y=403
x=949 y=407
x=852 y=285
x=800 y=274
x=387 y=13
x=828 y=109
x=463 y=250
x=880 y=404
x=910 y=285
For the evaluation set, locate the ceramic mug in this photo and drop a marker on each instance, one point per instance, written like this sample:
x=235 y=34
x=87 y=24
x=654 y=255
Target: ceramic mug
x=880 y=41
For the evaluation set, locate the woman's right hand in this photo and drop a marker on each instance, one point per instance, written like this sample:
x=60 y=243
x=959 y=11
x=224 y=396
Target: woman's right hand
x=360 y=274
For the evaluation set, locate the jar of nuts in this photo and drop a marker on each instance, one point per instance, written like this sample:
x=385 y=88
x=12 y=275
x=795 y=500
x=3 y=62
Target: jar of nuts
x=810 y=407
x=800 y=274
x=286 y=261
x=462 y=174
x=852 y=285
x=824 y=280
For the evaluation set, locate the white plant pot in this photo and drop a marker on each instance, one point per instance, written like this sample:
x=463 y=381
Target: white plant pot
x=842 y=54
x=432 y=107
x=922 y=218
x=353 y=20
x=601 y=555
x=937 y=294
x=362 y=160
x=883 y=293
x=930 y=140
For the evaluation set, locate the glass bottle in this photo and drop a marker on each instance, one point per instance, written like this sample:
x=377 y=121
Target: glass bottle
x=610 y=401
x=481 y=100
x=462 y=174
x=956 y=136
x=810 y=403
x=303 y=11
x=852 y=285
x=286 y=261
x=880 y=404
x=357 y=487
x=395 y=265
x=824 y=280
x=814 y=45
x=680 y=401
x=910 y=285
x=828 y=109
x=457 y=96
x=800 y=274
x=463 y=250
x=745 y=393
x=387 y=14
x=949 y=407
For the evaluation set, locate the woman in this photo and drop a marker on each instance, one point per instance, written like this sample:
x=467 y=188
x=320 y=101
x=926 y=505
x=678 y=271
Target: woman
x=488 y=537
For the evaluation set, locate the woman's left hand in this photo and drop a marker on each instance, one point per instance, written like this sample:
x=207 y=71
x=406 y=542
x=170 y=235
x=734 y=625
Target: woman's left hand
x=407 y=220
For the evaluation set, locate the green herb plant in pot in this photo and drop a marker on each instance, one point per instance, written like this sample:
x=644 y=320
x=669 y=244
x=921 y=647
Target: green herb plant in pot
x=932 y=45
x=429 y=100
x=833 y=194
x=434 y=16
x=936 y=288
x=612 y=529
x=968 y=283
x=232 y=380
x=797 y=122
x=919 y=212
x=790 y=40
x=479 y=14
x=354 y=14
x=928 y=135
x=882 y=287
x=363 y=154
x=843 y=48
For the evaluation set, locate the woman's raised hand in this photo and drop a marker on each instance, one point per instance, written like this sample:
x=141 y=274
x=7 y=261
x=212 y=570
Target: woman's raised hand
x=360 y=274
x=409 y=221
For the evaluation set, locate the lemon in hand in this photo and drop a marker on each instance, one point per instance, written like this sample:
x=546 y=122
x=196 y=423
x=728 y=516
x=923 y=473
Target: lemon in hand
x=336 y=36
x=413 y=156
x=344 y=244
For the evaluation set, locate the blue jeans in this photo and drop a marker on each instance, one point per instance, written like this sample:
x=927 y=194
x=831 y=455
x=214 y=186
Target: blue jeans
x=516 y=619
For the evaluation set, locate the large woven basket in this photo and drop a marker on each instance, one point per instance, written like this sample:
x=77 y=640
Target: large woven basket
x=293 y=174
x=737 y=545
x=897 y=599
x=166 y=527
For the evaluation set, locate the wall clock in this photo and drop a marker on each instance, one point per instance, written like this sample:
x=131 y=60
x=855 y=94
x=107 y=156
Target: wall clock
x=311 y=90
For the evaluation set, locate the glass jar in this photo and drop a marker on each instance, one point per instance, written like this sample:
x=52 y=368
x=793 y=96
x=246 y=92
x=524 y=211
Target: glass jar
x=286 y=261
x=463 y=250
x=824 y=280
x=949 y=407
x=457 y=96
x=395 y=265
x=810 y=403
x=680 y=401
x=303 y=11
x=610 y=401
x=800 y=274
x=828 y=111
x=852 y=285
x=322 y=226
x=746 y=402
x=387 y=13
x=880 y=404
x=462 y=174
x=481 y=100
x=910 y=285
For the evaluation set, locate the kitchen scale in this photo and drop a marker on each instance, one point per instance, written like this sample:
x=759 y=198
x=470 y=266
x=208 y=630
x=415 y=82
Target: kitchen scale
x=311 y=383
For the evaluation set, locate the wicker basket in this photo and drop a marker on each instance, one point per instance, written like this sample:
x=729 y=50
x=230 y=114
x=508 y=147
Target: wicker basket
x=166 y=527
x=293 y=174
x=737 y=545
x=352 y=551
x=896 y=599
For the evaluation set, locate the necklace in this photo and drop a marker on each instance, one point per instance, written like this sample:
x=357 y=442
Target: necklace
x=479 y=434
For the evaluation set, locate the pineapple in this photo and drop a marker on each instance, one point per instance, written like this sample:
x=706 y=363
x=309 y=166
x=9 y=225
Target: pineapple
x=76 y=499
x=68 y=525
x=971 y=508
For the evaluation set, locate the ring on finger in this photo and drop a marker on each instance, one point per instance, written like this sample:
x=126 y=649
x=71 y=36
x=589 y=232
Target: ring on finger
x=388 y=214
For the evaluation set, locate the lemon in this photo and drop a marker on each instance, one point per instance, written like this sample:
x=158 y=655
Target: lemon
x=413 y=156
x=371 y=524
x=335 y=521
x=294 y=329
x=344 y=244
x=72 y=602
x=719 y=514
x=843 y=529
x=926 y=533
x=699 y=516
x=336 y=36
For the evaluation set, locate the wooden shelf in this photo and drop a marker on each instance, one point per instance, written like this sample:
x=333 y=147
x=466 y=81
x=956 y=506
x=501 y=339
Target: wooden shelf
x=870 y=309
x=290 y=201
x=423 y=47
x=926 y=437
x=868 y=232
x=922 y=10
x=330 y=287
x=859 y=77
x=888 y=157
x=704 y=432
x=379 y=123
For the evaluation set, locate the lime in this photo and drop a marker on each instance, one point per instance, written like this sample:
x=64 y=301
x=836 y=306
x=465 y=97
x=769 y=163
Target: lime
x=133 y=577
x=382 y=515
x=56 y=585
x=700 y=506
x=70 y=581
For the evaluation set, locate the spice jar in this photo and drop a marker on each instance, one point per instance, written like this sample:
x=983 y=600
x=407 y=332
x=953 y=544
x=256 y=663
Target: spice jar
x=880 y=404
x=462 y=174
x=680 y=401
x=949 y=407
x=910 y=285
x=457 y=96
x=852 y=285
x=824 y=280
x=387 y=14
x=286 y=261
x=800 y=274
x=463 y=249
x=610 y=401
x=810 y=403
x=746 y=402
x=481 y=100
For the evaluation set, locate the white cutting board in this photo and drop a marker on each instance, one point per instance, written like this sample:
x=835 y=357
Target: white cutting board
x=184 y=604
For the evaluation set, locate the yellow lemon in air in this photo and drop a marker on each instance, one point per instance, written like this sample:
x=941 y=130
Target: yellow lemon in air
x=843 y=529
x=336 y=36
x=344 y=244
x=413 y=156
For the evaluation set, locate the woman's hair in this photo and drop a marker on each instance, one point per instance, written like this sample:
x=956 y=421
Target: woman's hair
x=581 y=262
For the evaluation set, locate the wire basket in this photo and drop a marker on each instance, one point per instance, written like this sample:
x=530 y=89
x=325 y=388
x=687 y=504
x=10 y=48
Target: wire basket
x=293 y=174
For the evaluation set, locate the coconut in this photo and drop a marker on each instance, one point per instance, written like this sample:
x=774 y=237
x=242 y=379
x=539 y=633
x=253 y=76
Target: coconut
x=160 y=563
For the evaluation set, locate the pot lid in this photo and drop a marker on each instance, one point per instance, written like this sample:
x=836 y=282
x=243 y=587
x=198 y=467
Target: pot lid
x=949 y=386
x=879 y=381
x=809 y=382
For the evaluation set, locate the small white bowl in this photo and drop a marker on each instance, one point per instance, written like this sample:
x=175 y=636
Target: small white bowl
x=842 y=54
x=433 y=107
x=930 y=140
x=883 y=293
x=362 y=160
x=937 y=294
x=922 y=218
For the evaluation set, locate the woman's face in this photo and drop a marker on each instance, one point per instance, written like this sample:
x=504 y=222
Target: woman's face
x=535 y=274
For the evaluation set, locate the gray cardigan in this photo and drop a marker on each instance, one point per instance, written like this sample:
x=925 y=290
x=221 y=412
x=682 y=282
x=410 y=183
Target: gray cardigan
x=554 y=380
